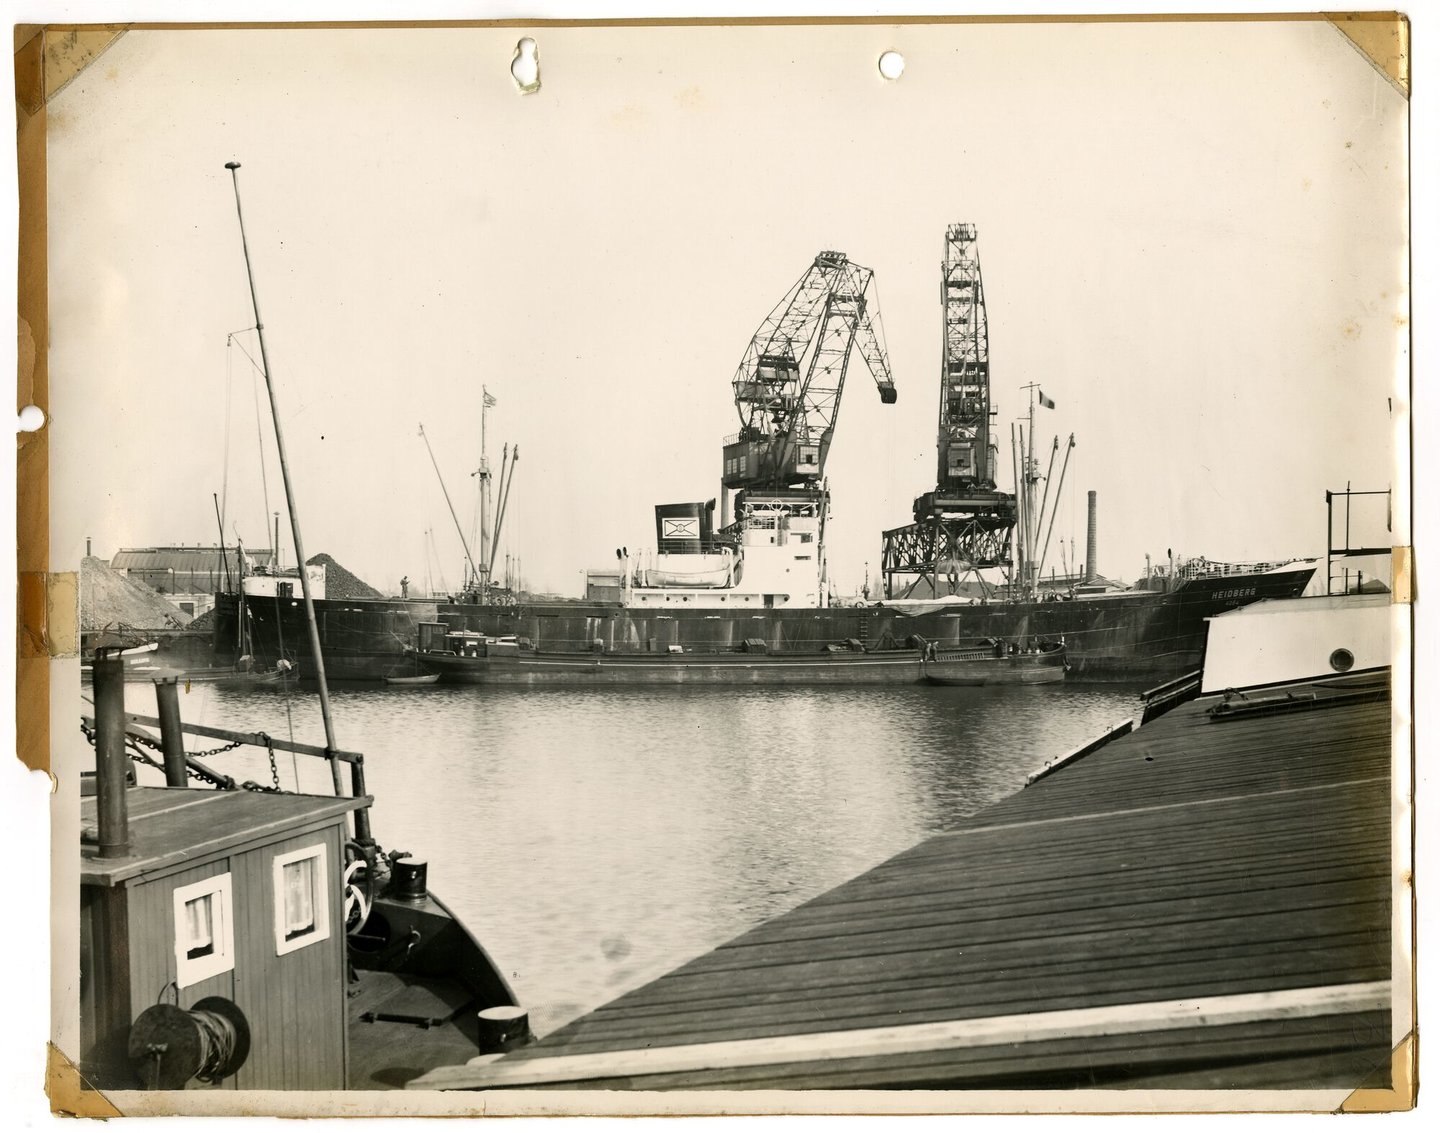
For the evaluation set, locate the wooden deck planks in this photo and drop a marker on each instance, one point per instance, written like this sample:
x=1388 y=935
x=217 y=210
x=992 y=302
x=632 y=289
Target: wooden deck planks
x=974 y=972
x=1190 y=858
x=982 y=963
x=1051 y=893
x=384 y=1055
x=1259 y=753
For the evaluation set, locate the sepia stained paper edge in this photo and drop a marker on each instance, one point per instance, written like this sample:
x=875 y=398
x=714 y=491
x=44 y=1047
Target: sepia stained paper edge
x=32 y=513
x=1400 y=1093
x=70 y=1095
x=47 y=58
x=1383 y=38
x=1402 y=575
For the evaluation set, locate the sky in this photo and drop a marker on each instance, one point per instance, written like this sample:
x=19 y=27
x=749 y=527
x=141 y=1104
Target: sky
x=1192 y=237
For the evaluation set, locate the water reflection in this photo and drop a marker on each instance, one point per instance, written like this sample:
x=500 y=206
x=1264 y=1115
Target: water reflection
x=595 y=839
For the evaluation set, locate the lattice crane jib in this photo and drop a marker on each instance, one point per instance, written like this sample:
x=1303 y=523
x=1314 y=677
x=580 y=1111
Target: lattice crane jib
x=965 y=459
x=965 y=525
x=789 y=383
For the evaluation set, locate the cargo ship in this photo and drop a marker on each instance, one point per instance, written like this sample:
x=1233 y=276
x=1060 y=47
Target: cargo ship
x=753 y=580
x=1112 y=635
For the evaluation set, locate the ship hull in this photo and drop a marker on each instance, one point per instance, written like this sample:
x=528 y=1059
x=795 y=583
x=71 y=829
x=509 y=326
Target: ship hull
x=893 y=667
x=1131 y=635
x=973 y=667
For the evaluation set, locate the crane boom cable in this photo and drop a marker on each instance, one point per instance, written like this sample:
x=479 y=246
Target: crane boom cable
x=458 y=529
x=505 y=496
x=1058 y=489
x=1044 y=499
x=260 y=450
x=225 y=456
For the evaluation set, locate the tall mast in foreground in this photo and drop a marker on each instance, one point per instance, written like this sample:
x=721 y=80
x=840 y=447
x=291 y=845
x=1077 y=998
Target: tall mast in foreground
x=330 y=744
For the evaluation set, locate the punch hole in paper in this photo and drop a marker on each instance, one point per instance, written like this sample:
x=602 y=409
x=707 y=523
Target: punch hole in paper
x=891 y=64
x=30 y=419
x=525 y=66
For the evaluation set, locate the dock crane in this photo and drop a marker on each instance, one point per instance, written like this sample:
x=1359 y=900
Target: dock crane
x=965 y=524
x=787 y=393
x=789 y=383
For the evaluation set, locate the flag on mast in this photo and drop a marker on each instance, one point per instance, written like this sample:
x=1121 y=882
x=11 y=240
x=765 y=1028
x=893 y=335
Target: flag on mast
x=1045 y=401
x=489 y=398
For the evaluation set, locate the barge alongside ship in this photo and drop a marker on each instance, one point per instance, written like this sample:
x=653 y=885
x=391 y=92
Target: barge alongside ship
x=458 y=657
x=1116 y=636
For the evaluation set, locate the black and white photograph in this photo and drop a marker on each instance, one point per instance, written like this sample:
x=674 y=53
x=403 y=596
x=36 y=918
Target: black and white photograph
x=767 y=567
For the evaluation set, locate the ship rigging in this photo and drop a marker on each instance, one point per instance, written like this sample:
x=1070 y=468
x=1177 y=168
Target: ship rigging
x=479 y=579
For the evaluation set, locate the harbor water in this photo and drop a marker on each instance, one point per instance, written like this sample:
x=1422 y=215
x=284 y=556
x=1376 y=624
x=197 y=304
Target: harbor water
x=594 y=840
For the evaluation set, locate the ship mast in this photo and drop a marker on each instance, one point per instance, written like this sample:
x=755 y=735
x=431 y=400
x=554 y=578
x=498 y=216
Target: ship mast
x=362 y=818
x=487 y=549
x=1025 y=495
x=1030 y=523
x=1032 y=520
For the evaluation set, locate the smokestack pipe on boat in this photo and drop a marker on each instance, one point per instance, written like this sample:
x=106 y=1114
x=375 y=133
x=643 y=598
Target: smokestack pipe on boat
x=111 y=763
x=1090 y=571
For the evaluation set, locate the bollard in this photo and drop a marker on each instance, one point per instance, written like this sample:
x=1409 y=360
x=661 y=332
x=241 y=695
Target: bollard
x=409 y=876
x=503 y=1029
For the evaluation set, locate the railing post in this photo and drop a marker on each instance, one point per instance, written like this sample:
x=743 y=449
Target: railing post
x=172 y=739
x=362 y=816
x=111 y=763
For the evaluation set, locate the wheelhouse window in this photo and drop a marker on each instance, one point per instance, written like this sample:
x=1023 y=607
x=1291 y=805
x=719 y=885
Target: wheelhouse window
x=302 y=906
x=204 y=930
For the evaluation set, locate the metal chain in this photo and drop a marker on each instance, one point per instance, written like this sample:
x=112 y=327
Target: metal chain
x=274 y=774
x=222 y=782
x=154 y=746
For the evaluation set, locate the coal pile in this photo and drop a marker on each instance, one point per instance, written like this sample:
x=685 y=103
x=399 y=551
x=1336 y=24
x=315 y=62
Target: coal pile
x=203 y=622
x=110 y=601
x=339 y=582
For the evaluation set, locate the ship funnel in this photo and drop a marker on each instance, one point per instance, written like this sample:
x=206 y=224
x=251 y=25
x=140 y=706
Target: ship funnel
x=1090 y=571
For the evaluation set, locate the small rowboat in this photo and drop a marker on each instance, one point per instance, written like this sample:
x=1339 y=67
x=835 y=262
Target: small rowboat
x=422 y=679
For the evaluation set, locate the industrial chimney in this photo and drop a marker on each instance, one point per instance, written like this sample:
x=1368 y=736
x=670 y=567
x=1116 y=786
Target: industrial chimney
x=1090 y=571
